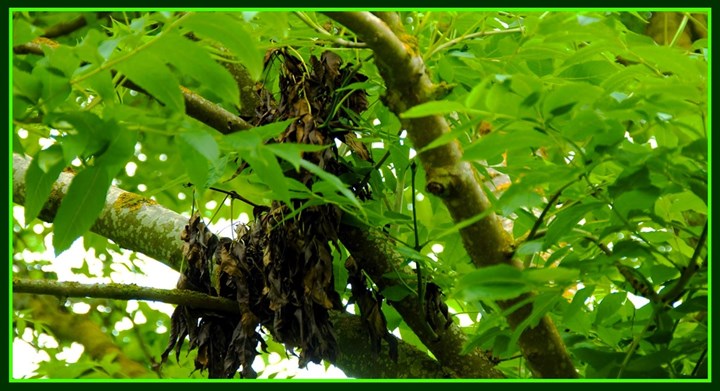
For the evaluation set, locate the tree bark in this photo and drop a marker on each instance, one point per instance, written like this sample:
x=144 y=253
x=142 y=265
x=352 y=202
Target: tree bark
x=375 y=254
x=139 y=224
x=452 y=179
x=356 y=358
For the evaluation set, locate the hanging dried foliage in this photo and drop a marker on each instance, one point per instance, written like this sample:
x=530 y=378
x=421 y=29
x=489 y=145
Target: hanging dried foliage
x=279 y=270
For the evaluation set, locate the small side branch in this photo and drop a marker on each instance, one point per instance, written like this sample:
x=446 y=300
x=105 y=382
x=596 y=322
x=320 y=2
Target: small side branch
x=124 y=292
x=196 y=106
x=327 y=35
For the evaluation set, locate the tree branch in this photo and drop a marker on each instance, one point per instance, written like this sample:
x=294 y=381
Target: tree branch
x=375 y=254
x=454 y=180
x=80 y=328
x=127 y=217
x=124 y=292
x=356 y=358
x=325 y=34
x=196 y=106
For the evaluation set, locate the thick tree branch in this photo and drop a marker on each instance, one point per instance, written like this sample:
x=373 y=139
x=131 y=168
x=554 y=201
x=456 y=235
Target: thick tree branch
x=356 y=358
x=65 y=27
x=79 y=328
x=452 y=179
x=374 y=253
x=130 y=220
x=196 y=106
x=139 y=224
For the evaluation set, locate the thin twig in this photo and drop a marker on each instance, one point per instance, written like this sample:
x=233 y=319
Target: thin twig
x=471 y=36
x=326 y=34
x=673 y=293
x=545 y=210
x=234 y=195
x=124 y=292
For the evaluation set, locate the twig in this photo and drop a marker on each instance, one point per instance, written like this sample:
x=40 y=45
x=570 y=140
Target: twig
x=234 y=195
x=65 y=27
x=124 y=292
x=673 y=293
x=471 y=36
x=326 y=34
x=418 y=266
x=545 y=210
x=196 y=106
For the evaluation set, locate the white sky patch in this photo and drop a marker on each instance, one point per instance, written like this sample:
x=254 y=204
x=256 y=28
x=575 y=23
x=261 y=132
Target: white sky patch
x=412 y=153
x=142 y=187
x=124 y=324
x=638 y=301
x=375 y=122
x=378 y=145
x=653 y=142
x=130 y=168
x=212 y=204
x=462 y=319
x=437 y=248
x=22 y=133
x=76 y=162
x=570 y=156
x=54 y=132
x=162 y=157
x=181 y=196
x=243 y=218
x=45 y=142
x=26 y=358
x=419 y=196
x=81 y=308
x=142 y=157
x=71 y=354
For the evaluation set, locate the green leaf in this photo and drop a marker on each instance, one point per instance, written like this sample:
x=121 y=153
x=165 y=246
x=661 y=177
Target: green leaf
x=232 y=34
x=55 y=88
x=121 y=147
x=498 y=142
x=251 y=139
x=336 y=183
x=562 y=99
x=499 y=282
x=43 y=171
x=396 y=292
x=609 y=306
x=201 y=157
x=267 y=168
x=436 y=107
x=292 y=152
x=148 y=70
x=575 y=316
x=542 y=304
x=558 y=275
x=26 y=84
x=80 y=207
x=566 y=220
x=202 y=142
x=24 y=32
x=194 y=61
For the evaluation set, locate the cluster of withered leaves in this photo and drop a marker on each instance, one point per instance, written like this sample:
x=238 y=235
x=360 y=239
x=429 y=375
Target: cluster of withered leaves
x=279 y=270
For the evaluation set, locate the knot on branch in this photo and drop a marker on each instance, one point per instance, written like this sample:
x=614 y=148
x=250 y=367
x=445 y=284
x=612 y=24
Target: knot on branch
x=440 y=182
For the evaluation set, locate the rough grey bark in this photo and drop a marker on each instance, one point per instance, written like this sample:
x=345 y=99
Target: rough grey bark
x=452 y=179
x=138 y=224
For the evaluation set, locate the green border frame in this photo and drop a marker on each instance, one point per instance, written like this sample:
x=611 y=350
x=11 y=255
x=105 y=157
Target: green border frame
x=11 y=10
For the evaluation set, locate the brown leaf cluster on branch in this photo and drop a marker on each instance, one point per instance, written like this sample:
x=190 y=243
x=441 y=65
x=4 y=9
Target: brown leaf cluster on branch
x=280 y=269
